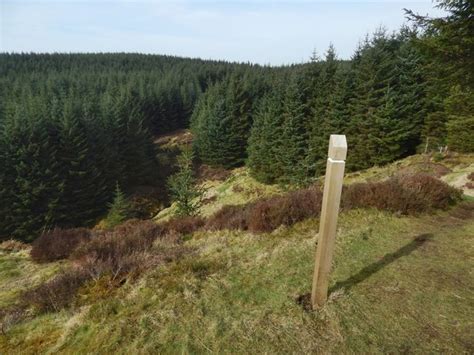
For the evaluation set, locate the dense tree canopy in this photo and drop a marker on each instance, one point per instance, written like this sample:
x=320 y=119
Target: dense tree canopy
x=73 y=126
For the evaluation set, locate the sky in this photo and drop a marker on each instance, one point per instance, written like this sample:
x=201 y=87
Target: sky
x=260 y=31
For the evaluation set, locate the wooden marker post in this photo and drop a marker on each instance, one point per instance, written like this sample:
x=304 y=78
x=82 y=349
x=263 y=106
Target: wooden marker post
x=329 y=213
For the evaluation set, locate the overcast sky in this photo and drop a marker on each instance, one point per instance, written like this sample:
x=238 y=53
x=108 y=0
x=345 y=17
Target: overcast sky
x=262 y=31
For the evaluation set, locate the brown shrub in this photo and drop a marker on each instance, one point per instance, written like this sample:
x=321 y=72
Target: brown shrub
x=58 y=243
x=178 y=227
x=464 y=210
x=388 y=195
x=117 y=255
x=273 y=212
x=57 y=293
x=229 y=217
x=208 y=200
x=471 y=176
x=434 y=169
x=410 y=193
x=268 y=214
x=127 y=250
x=12 y=245
x=238 y=189
x=435 y=193
x=117 y=251
x=406 y=194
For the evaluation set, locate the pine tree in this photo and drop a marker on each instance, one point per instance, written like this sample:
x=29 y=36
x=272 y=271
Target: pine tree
x=449 y=39
x=460 y=125
x=33 y=172
x=446 y=43
x=265 y=143
x=208 y=127
x=373 y=128
x=294 y=140
x=183 y=186
x=7 y=177
x=323 y=114
x=119 y=209
x=83 y=192
x=221 y=124
x=409 y=95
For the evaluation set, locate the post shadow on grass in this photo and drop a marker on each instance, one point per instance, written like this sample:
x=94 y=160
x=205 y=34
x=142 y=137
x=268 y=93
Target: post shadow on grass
x=378 y=265
x=305 y=299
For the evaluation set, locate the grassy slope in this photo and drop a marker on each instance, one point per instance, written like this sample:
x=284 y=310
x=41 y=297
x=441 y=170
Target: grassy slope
x=390 y=293
x=18 y=272
x=239 y=188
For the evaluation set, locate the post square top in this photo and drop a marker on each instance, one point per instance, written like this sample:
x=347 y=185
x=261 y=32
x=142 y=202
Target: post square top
x=337 y=147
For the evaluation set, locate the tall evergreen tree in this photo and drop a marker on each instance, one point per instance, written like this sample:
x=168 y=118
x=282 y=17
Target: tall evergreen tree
x=82 y=198
x=294 y=140
x=447 y=43
x=32 y=174
x=324 y=118
x=372 y=107
x=221 y=124
x=460 y=123
x=265 y=142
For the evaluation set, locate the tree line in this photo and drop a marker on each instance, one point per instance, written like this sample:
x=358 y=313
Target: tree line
x=400 y=93
x=73 y=127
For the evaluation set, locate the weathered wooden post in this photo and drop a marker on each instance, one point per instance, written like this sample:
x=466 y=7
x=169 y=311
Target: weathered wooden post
x=329 y=213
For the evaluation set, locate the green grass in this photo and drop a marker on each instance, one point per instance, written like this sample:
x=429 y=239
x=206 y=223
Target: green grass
x=241 y=188
x=238 y=189
x=455 y=165
x=18 y=272
x=399 y=284
x=389 y=293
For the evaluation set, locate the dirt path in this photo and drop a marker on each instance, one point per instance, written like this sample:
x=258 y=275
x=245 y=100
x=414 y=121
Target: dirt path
x=460 y=180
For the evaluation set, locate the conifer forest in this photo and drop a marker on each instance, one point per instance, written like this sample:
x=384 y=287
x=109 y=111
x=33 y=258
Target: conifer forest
x=74 y=128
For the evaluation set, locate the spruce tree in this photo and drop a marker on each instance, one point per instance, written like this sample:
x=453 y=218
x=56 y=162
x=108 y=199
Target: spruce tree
x=33 y=171
x=294 y=139
x=265 y=142
x=82 y=197
x=373 y=122
x=460 y=123
x=323 y=114
x=447 y=44
x=409 y=95
x=183 y=186
x=221 y=124
x=119 y=209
